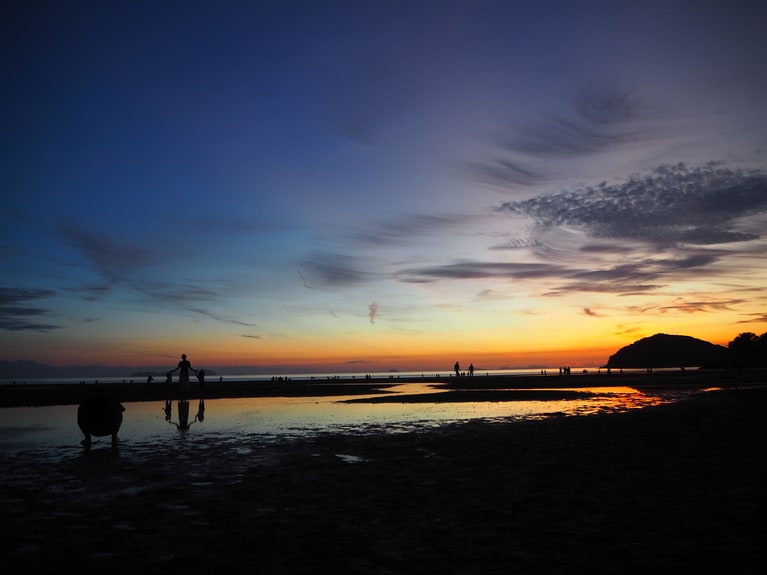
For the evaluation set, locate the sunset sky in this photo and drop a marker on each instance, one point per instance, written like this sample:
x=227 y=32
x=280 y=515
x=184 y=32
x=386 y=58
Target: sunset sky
x=359 y=186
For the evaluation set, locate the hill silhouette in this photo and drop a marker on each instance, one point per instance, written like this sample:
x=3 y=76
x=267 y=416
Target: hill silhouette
x=663 y=350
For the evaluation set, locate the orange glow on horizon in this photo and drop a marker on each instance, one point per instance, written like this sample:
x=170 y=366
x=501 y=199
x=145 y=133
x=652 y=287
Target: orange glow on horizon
x=373 y=352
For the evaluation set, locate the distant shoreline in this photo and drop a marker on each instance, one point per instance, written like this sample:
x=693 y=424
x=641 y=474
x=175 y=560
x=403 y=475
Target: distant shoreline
x=20 y=395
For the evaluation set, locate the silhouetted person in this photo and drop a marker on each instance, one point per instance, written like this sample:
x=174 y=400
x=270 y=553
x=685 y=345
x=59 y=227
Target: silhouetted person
x=471 y=370
x=201 y=378
x=183 y=368
x=99 y=415
x=457 y=368
x=149 y=380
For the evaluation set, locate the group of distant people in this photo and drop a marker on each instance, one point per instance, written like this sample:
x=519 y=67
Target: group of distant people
x=183 y=368
x=458 y=373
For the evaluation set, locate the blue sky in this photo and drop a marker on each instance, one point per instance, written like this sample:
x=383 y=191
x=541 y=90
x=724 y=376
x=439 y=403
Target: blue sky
x=368 y=185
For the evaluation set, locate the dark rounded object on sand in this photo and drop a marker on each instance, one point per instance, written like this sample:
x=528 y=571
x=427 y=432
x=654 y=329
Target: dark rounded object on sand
x=99 y=415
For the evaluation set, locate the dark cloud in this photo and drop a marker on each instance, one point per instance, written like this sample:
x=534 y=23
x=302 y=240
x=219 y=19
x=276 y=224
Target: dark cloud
x=15 y=315
x=619 y=288
x=480 y=270
x=516 y=244
x=329 y=269
x=668 y=206
x=589 y=312
x=637 y=277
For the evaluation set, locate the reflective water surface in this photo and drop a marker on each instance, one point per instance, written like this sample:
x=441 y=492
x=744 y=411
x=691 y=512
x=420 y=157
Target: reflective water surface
x=53 y=431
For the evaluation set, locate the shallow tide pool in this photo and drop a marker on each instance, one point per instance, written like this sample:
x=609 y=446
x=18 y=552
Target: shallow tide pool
x=147 y=425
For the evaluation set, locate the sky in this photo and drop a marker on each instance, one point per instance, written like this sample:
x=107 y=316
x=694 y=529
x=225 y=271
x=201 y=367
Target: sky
x=364 y=186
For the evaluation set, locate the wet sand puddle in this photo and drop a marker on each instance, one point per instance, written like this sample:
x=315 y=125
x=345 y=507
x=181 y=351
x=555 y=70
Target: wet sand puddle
x=241 y=425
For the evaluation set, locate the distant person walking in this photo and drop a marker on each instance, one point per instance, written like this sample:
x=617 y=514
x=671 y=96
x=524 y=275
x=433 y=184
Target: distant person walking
x=471 y=370
x=183 y=368
x=457 y=368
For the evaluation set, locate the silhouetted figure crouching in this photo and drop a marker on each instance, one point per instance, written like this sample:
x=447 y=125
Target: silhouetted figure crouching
x=99 y=415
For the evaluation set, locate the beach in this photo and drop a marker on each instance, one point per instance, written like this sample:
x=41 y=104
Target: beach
x=678 y=486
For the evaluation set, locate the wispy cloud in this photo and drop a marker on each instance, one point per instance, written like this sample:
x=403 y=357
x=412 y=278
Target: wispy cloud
x=113 y=260
x=15 y=315
x=322 y=270
x=693 y=306
x=600 y=118
x=597 y=119
x=480 y=270
x=591 y=313
x=373 y=312
x=404 y=228
x=220 y=318
x=503 y=172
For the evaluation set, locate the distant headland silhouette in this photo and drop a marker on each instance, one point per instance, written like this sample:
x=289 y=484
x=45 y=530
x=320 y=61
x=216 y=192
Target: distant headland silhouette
x=662 y=351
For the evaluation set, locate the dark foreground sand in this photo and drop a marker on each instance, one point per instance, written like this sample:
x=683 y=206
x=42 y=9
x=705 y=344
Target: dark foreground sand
x=677 y=487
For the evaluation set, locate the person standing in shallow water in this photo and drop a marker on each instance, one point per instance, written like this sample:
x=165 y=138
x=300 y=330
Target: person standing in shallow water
x=184 y=367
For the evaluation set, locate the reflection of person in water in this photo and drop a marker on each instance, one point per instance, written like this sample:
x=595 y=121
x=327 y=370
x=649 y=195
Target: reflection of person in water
x=183 y=414
x=99 y=415
x=183 y=368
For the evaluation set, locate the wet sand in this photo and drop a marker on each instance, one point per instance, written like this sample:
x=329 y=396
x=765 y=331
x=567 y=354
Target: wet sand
x=673 y=487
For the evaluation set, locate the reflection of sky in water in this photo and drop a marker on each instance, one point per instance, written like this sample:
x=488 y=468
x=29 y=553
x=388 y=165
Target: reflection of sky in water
x=144 y=424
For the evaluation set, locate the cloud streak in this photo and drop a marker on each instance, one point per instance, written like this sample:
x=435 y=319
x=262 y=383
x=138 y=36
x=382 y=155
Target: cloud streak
x=16 y=315
x=325 y=270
